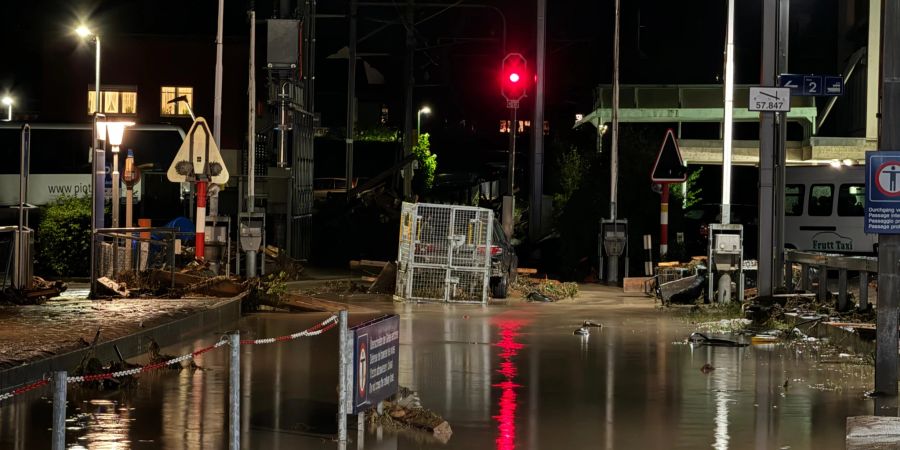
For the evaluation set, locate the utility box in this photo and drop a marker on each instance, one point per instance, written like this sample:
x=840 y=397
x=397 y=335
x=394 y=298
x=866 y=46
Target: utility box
x=282 y=43
x=613 y=243
x=726 y=256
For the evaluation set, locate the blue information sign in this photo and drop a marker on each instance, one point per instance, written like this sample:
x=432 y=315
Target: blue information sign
x=376 y=360
x=812 y=85
x=883 y=192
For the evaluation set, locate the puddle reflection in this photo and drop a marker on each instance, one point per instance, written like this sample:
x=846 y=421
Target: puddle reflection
x=509 y=348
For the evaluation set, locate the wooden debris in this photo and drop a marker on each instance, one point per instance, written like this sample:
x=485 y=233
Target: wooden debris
x=110 y=288
x=212 y=286
x=526 y=271
x=356 y=265
x=386 y=281
x=300 y=302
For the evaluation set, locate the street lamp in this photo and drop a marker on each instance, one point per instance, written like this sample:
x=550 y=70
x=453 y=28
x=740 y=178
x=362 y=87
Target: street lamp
x=116 y=131
x=99 y=156
x=424 y=110
x=8 y=101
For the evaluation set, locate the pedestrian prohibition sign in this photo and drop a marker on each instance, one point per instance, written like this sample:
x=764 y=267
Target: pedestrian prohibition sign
x=882 y=212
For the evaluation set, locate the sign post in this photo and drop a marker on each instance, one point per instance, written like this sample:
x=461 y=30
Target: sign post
x=198 y=160
x=668 y=168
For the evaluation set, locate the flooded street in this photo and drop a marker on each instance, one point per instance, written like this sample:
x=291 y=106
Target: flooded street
x=505 y=377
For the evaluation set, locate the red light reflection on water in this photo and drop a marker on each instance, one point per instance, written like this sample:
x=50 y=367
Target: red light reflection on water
x=506 y=427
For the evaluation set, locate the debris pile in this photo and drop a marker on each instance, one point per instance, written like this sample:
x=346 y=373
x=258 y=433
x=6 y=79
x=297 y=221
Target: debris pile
x=40 y=291
x=544 y=289
x=406 y=412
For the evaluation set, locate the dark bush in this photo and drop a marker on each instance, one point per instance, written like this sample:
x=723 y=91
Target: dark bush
x=63 y=238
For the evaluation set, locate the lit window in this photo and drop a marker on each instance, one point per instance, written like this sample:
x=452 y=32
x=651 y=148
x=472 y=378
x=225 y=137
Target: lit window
x=114 y=100
x=169 y=93
x=504 y=126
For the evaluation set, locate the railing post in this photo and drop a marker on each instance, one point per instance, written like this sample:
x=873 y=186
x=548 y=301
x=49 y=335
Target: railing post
x=344 y=361
x=863 y=303
x=823 y=283
x=59 y=410
x=789 y=275
x=842 y=290
x=804 y=276
x=360 y=430
x=234 y=392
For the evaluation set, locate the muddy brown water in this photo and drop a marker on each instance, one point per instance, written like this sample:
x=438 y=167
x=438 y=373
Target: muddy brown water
x=505 y=377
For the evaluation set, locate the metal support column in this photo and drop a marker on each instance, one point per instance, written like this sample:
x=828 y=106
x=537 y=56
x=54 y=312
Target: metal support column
x=234 y=391
x=409 y=79
x=767 y=153
x=536 y=207
x=888 y=244
x=59 y=410
x=781 y=66
x=351 y=99
x=509 y=201
x=344 y=361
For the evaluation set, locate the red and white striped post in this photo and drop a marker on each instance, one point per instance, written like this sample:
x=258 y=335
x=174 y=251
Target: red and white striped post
x=199 y=239
x=664 y=222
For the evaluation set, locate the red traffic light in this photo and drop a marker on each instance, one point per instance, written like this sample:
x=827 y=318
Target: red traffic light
x=513 y=72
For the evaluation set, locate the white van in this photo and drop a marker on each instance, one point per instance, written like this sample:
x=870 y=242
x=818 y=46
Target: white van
x=823 y=210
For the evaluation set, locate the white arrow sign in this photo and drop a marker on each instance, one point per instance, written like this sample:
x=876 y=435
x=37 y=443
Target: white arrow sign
x=198 y=157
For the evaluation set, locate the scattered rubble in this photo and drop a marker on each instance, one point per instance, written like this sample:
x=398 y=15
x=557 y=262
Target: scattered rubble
x=406 y=412
x=41 y=290
x=544 y=289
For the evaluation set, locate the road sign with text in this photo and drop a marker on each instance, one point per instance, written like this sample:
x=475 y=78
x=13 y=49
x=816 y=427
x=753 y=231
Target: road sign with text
x=882 y=206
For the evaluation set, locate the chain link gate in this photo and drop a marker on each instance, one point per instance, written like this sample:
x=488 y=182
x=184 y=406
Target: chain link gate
x=444 y=253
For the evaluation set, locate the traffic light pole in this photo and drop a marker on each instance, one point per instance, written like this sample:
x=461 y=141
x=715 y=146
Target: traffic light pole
x=509 y=201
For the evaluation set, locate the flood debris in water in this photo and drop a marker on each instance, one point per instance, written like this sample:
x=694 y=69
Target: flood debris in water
x=544 y=290
x=41 y=290
x=406 y=413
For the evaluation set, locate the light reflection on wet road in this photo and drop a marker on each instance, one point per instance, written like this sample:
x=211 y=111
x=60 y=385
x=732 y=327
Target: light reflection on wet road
x=505 y=377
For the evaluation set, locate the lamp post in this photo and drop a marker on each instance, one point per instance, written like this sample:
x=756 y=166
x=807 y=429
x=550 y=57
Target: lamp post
x=423 y=110
x=116 y=132
x=98 y=166
x=8 y=101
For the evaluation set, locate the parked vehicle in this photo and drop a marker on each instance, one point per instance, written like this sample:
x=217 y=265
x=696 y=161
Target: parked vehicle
x=823 y=210
x=504 y=262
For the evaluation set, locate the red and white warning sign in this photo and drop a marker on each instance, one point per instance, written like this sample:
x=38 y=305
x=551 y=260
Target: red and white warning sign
x=887 y=178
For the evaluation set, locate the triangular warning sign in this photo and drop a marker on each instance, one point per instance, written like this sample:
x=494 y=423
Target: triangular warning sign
x=198 y=157
x=669 y=167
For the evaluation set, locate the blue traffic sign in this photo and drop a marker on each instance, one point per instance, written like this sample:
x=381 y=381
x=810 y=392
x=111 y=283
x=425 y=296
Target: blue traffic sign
x=882 y=206
x=812 y=85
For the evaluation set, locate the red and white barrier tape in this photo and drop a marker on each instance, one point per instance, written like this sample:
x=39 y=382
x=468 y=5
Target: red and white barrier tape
x=315 y=330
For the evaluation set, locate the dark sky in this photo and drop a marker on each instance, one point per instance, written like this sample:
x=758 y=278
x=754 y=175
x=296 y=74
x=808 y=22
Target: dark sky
x=663 y=41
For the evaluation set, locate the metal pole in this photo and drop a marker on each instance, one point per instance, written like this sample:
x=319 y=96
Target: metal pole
x=251 y=141
x=664 y=222
x=729 y=114
x=361 y=430
x=59 y=410
x=344 y=361
x=535 y=227
x=115 y=187
x=234 y=391
x=97 y=167
x=781 y=150
x=509 y=204
x=409 y=79
x=888 y=244
x=21 y=260
x=614 y=148
x=351 y=98
x=200 y=229
x=217 y=102
x=767 y=153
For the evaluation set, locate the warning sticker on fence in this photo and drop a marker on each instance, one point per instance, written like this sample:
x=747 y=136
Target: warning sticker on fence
x=376 y=358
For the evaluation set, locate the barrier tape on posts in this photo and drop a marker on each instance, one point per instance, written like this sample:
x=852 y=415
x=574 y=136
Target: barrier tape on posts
x=314 y=330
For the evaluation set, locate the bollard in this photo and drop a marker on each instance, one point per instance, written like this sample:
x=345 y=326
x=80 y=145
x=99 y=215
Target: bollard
x=344 y=358
x=59 y=410
x=234 y=392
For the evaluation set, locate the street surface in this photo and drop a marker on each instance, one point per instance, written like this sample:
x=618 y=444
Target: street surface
x=504 y=376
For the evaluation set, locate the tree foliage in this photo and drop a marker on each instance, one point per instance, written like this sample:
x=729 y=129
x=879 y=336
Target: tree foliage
x=427 y=160
x=572 y=167
x=64 y=236
x=692 y=197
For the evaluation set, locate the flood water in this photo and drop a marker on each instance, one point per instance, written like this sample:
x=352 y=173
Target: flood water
x=505 y=377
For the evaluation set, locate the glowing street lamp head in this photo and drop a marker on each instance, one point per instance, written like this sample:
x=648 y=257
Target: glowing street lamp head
x=116 y=132
x=425 y=110
x=7 y=101
x=514 y=77
x=83 y=31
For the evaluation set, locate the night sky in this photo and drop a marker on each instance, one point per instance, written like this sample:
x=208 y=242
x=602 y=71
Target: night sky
x=459 y=50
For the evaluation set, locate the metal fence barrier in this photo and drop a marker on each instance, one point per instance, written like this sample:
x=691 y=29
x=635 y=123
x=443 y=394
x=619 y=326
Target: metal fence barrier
x=134 y=249
x=864 y=265
x=444 y=253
